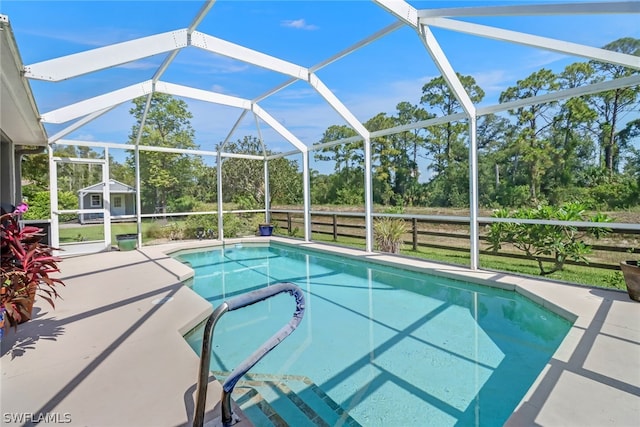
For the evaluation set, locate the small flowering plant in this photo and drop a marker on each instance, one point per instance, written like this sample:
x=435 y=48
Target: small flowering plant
x=25 y=268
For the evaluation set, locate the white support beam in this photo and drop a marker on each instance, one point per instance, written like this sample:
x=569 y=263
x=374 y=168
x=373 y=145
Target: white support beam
x=91 y=105
x=368 y=196
x=285 y=154
x=92 y=60
x=177 y=150
x=250 y=56
x=267 y=193
x=53 y=199
x=78 y=160
x=420 y=124
x=165 y=64
x=335 y=103
x=264 y=148
x=598 y=8
x=95 y=144
x=284 y=132
x=316 y=147
x=219 y=187
x=66 y=131
x=474 y=232
x=306 y=195
x=447 y=71
x=202 y=95
x=233 y=129
x=402 y=10
x=362 y=43
x=106 y=200
x=567 y=48
x=241 y=156
x=562 y=94
x=202 y=13
x=334 y=58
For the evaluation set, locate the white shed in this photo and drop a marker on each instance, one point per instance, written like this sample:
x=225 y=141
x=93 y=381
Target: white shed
x=122 y=200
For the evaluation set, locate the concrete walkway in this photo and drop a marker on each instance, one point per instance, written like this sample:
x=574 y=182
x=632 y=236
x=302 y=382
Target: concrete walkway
x=112 y=353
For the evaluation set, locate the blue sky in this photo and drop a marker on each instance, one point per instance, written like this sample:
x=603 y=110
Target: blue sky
x=369 y=81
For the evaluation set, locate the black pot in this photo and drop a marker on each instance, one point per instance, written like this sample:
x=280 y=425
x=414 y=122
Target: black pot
x=631 y=273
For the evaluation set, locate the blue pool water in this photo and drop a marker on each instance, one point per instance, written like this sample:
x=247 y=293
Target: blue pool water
x=378 y=346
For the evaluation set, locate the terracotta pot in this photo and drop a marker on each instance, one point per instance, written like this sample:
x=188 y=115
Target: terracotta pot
x=631 y=273
x=28 y=306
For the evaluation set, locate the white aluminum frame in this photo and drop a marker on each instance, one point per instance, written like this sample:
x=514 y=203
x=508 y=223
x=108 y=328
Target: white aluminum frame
x=420 y=21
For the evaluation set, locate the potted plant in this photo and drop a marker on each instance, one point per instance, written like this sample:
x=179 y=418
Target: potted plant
x=631 y=273
x=25 y=268
x=265 y=229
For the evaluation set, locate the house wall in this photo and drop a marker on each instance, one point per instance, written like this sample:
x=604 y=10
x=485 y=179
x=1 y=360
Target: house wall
x=7 y=171
x=128 y=199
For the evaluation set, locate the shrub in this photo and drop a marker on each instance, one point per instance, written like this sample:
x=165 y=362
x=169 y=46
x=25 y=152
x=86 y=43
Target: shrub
x=541 y=241
x=388 y=234
x=208 y=224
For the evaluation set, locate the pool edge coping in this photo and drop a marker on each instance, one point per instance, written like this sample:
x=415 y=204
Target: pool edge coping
x=539 y=291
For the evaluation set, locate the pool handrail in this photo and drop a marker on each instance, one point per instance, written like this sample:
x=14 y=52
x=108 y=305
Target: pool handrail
x=228 y=417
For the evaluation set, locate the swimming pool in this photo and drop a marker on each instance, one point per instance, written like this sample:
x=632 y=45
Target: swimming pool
x=379 y=346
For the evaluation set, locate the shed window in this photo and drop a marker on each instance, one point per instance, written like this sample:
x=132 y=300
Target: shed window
x=95 y=201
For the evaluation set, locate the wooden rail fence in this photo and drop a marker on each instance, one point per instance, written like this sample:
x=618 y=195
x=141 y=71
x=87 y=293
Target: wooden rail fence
x=352 y=225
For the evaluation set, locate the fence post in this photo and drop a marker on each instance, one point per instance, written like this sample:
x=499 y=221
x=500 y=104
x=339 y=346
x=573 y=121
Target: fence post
x=414 y=224
x=289 y=223
x=335 y=227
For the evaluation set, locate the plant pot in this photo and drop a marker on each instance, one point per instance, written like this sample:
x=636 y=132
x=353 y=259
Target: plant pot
x=265 y=229
x=127 y=242
x=28 y=305
x=631 y=273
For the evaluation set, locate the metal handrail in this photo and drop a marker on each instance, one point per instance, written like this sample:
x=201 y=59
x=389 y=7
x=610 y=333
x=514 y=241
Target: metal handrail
x=228 y=417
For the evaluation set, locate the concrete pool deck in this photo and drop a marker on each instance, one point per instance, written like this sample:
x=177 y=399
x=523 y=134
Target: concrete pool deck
x=112 y=352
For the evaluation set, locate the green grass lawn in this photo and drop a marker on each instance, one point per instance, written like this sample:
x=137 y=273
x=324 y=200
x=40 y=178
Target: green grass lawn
x=579 y=274
x=96 y=232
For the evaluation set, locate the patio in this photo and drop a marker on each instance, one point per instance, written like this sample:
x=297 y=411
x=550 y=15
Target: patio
x=112 y=352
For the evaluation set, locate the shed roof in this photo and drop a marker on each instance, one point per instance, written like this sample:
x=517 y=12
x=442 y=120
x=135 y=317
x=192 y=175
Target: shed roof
x=114 y=187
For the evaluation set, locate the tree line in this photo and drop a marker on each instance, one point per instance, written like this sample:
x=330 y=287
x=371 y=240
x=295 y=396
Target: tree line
x=579 y=148
x=575 y=149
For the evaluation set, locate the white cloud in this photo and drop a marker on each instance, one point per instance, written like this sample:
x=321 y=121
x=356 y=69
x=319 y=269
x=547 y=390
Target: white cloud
x=299 y=24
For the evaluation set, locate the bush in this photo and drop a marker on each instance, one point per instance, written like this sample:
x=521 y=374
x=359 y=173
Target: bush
x=184 y=204
x=207 y=223
x=388 y=234
x=39 y=205
x=541 y=241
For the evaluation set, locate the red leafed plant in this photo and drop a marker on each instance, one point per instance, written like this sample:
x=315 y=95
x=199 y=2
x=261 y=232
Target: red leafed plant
x=25 y=269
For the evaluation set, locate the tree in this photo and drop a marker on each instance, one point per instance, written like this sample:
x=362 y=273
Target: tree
x=346 y=185
x=540 y=241
x=447 y=144
x=447 y=141
x=164 y=176
x=532 y=144
x=244 y=178
x=570 y=136
x=612 y=105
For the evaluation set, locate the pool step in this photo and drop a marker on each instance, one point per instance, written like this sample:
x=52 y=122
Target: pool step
x=283 y=400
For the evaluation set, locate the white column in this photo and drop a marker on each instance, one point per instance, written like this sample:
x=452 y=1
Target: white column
x=267 y=193
x=136 y=155
x=368 y=196
x=81 y=196
x=473 y=194
x=106 y=200
x=306 y=194
x=219 y=183
x=53 y=198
